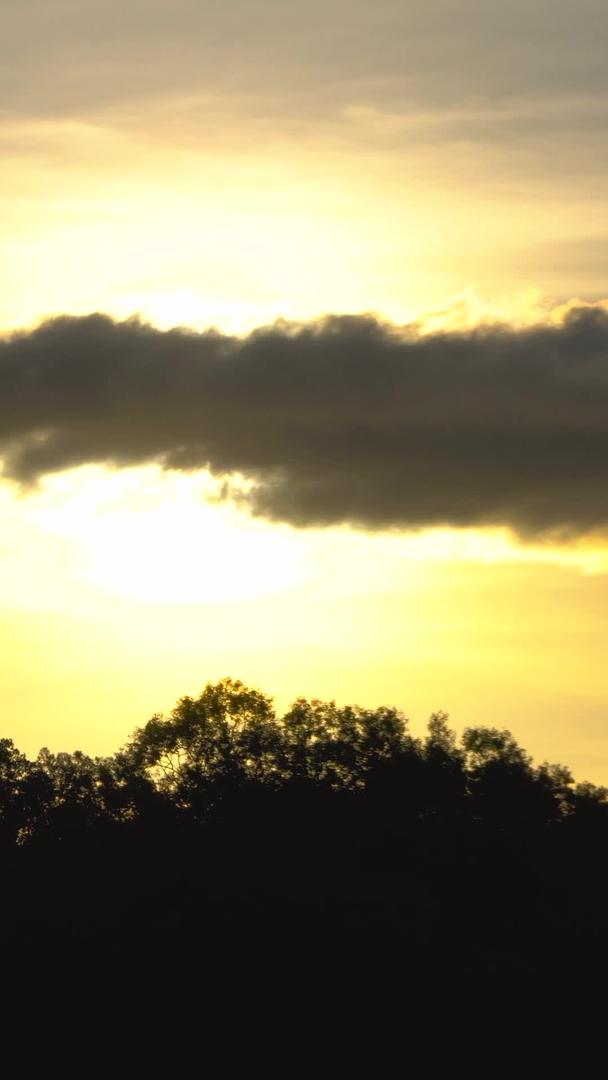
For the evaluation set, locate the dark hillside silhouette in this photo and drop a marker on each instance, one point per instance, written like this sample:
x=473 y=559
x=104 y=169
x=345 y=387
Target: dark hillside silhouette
x=227 y=838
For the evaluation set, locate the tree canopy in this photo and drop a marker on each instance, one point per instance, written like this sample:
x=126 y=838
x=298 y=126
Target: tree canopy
x=330 y=826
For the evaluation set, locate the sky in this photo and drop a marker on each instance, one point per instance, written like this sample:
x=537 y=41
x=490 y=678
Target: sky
x=304 y=362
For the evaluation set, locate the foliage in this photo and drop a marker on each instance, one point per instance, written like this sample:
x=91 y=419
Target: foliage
x=223 y=806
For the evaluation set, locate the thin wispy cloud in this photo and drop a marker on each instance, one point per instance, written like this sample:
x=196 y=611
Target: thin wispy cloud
x=86 y=56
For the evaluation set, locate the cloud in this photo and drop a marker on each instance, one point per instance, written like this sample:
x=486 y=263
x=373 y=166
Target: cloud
x=63 y=57
x=344 y=420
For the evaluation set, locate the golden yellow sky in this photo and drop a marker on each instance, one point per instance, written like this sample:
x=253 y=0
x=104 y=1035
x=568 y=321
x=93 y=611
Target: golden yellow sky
x=236 y=232
x=229 y=170
x=123 y=591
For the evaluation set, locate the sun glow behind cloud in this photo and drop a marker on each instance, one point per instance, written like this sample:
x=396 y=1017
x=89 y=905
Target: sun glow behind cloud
x=152 y=537
x=125 y=589
x=164 y=538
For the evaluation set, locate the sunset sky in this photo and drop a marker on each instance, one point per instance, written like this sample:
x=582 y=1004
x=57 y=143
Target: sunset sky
x=371 y=464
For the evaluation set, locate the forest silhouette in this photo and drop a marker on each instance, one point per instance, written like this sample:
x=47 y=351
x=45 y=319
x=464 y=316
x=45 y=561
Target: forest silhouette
x=224 y=837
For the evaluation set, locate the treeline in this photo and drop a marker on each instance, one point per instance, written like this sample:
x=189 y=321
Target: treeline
x=327 y=831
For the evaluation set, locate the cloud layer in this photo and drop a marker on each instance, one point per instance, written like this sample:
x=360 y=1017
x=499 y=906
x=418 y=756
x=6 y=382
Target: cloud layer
x=344 y=420
x=61 y=57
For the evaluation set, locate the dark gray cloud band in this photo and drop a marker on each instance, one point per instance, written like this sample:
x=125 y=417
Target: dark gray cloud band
x=347 y=419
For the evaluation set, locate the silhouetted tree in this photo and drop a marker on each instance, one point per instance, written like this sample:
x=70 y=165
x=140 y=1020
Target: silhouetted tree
x=329 y=831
